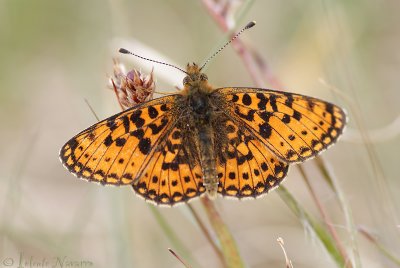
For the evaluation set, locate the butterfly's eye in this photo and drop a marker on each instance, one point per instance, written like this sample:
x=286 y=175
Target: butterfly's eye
x=186 y=80
x=203 y=77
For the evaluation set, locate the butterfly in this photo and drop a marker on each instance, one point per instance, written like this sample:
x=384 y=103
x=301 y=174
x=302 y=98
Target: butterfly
x=230 y=141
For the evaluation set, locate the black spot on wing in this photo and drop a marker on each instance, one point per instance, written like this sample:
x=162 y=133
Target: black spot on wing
x=164 y=108
x=111 y=124
x=246 y=99
x=265 y=130
x=286 y=119
x=153 y=113
x=272 y=102
x=263 y=101
x=157 y=128
x=265 y=116
x=120 y=142
x=145 y=145
x=125 y=122
x=235 y=98
x=138 y=133
x=136 y=119
x=329 y=107
x=297 y=115
x=249 y=116
x=289 y=99
x=108 y=141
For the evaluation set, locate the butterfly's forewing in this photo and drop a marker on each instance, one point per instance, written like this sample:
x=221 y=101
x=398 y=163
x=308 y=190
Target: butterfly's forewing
x=247 y=168
x=293 y=127
x=116 y=150
x=171 y=176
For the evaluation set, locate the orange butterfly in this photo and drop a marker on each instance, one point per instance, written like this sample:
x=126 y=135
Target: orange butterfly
x=236 y=142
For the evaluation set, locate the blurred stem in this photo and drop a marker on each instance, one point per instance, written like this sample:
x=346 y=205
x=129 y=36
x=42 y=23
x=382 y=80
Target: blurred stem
x=344 y=204
x=383 y=193
x=251 y=58
x=380 y=247
x=173 y=238
x=207 y=235
x=228 y=244
x=215 y=12
x=324 y=171
x=244 y=9
x=325 y=217
x=13 y=193
x=319 y=231
x=282 y=244
x=178 y=258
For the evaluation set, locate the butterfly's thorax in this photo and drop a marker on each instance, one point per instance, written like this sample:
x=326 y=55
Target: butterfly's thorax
x=201 y=116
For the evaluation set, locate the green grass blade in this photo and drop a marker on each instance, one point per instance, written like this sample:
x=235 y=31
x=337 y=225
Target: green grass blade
x=206 y=233
x=177 y=244
x=344 y=204
x=228 y=244
x=380 y=247
x=317 y=228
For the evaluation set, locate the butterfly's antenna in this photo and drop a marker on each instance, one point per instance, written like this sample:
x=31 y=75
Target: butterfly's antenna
x=125 y=51
x=248 y=26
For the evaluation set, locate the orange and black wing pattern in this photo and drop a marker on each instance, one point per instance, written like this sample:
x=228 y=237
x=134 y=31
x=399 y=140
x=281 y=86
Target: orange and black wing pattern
x=173 y=175
x=293 y=127
x=117 y=150
x=246 y=168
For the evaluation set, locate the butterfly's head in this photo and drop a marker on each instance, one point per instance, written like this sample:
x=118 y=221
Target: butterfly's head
x=194 y=76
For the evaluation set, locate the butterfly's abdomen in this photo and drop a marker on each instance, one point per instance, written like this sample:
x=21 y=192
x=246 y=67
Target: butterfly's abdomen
x=207 y=159
x=202 y=113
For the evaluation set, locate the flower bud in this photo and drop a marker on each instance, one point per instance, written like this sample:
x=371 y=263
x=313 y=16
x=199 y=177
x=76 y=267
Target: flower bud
x=133 y=87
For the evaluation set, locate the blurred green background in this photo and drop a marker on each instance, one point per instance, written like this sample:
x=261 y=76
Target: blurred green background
x=55 y=54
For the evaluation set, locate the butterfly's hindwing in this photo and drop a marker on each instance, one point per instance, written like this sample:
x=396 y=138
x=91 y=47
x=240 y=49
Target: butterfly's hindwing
x=173 y=174
x=292 y=126
x=245 y=167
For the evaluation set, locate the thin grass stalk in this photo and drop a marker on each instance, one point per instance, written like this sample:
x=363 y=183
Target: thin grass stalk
x=317 y=228
x=325 y=217
x=372 y=155
x=184 y=263
x=344 y=204
x=237 y=44
x=281 y=243
x=385 y=195
x=324 y=171
x=172 y=237
x=380 y=247
x=13 y=193
x=207 y=235
x=228 y=244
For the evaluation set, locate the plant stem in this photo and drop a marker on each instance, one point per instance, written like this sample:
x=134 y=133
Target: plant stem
x=207 y=234
x=173 y=238
x=228 y=245
x=325 y=217
x=307 y=219
x=381 y=248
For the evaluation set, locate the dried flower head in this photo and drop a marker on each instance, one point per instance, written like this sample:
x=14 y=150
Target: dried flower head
x=133 y=87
